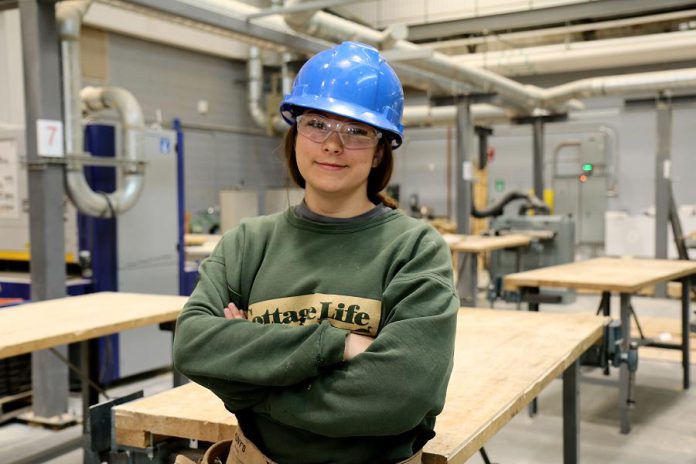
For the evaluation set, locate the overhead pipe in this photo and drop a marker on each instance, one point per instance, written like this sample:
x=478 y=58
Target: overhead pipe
x=102 y=204
x=580 y=56
x=330 y=27
x=69 y=15
x=409 y=75
x=481 y=114
x=258 y=113
x=649 y=82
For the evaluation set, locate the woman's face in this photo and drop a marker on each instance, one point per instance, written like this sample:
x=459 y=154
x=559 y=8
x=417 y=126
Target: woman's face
x=329 y=167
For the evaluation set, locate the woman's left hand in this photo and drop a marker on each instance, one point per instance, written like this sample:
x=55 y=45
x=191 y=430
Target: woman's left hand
x=232 y=312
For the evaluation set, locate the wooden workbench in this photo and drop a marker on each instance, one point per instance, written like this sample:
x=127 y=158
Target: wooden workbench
x=483 y=243
x=625 y=276
x=200 y=246
x=51 y=323
x=503 y=359
x=466 y=274
x=46 y=324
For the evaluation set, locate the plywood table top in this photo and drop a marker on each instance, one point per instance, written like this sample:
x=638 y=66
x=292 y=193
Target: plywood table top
x=200 y=239
x=45 y=324
x=626 y=275
x=482 y=243
x=503 y=359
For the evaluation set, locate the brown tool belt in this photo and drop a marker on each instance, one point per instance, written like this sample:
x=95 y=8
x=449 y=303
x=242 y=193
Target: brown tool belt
x=240 y=450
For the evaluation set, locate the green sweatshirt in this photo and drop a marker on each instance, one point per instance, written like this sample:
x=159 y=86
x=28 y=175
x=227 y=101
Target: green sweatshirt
x=306 y=285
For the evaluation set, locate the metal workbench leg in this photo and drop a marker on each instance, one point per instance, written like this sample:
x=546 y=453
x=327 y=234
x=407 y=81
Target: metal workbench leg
x=686 y=312
x=518 y=259
x=624 y=375
x=468 y=279
x=532 y=306
x=605 y=307
x=571 y=418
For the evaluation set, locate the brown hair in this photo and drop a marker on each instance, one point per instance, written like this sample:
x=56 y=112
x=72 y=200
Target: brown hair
x=376 y=182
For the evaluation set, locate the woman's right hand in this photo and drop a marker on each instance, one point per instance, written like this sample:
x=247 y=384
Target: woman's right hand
x=355 y=344
x=232 y=312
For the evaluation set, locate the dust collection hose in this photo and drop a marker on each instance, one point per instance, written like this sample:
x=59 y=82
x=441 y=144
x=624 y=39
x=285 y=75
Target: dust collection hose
x=531 y=202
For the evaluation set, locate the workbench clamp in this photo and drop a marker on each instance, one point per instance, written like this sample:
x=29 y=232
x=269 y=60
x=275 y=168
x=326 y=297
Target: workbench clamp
x=613 y=342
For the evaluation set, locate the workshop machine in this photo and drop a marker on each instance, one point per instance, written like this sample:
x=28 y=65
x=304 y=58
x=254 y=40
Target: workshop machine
x=553 y=243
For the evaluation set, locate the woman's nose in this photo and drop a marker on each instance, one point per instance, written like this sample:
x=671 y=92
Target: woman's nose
x=333 y=144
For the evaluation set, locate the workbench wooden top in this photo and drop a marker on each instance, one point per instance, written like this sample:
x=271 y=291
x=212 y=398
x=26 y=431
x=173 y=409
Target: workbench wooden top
x=200 y=239
x=45 y=324
x=626 y=275
x=503 y=359
x=482 y=243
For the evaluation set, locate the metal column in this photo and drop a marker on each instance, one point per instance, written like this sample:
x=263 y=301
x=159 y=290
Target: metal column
x=663 y=160
x=465 y=173
x=538 y=166
x=42 y=79
x=465 y=168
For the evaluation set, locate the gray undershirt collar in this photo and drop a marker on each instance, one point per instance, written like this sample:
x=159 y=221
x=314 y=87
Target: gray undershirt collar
x=302 y=211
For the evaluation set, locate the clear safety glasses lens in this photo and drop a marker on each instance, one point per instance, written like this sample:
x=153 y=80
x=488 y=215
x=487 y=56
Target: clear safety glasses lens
x=353 y=135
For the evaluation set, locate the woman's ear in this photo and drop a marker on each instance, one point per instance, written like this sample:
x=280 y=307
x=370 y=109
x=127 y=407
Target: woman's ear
x=378 y=157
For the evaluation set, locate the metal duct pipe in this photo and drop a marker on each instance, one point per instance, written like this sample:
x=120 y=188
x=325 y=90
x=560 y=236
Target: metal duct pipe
x=258 y=113
x=481 y=113
x=286 y=77
x=102 y=204
x=580 y=56
x=333 y=28
x=618 y=85
x=409 y=75
x=69 y=15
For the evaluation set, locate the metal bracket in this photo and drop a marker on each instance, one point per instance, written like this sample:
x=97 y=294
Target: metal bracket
x=87 y=160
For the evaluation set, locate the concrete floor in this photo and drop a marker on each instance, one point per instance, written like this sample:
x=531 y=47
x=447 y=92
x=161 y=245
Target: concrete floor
x=664 y=418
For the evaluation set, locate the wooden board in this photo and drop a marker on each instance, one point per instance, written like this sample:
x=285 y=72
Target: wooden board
x=493 y=379
x=200 y=239
x=625 y=275
x=189 y=411
x=482 y=243
x=200 y=251
x=200 y=246
x=36 y=326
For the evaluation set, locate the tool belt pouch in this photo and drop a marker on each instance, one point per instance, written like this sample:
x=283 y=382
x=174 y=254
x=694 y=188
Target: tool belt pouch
x=217 y=453
x=242 y=451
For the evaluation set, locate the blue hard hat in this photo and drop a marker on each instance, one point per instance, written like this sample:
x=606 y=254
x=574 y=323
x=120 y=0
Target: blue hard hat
x=352 y=80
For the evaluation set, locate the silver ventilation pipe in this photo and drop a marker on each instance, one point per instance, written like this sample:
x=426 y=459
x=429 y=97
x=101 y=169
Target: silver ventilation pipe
x=330 y=27
x=409 y=75
x=286 y=78
x=481 y=113
x=95 y=99
x=258 y=113
x=69 y=15
x=649 y=82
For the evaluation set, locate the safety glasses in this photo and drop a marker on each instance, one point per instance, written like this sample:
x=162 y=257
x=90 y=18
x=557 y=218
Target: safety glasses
x=353 y=135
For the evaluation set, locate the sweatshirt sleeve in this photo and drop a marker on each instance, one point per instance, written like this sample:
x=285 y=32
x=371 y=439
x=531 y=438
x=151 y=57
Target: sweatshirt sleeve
x=401 y=378
x=239 y=360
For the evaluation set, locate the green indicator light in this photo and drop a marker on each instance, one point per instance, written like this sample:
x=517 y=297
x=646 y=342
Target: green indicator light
x=587 y=167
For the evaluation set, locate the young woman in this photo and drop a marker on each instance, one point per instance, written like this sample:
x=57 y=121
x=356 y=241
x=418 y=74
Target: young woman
x=328 y=329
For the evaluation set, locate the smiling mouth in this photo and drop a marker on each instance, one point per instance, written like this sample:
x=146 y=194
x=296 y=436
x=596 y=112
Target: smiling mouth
x=331 y=165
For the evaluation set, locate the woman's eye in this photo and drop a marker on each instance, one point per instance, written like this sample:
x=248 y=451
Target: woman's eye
x=358 y=131
x=317 y=124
